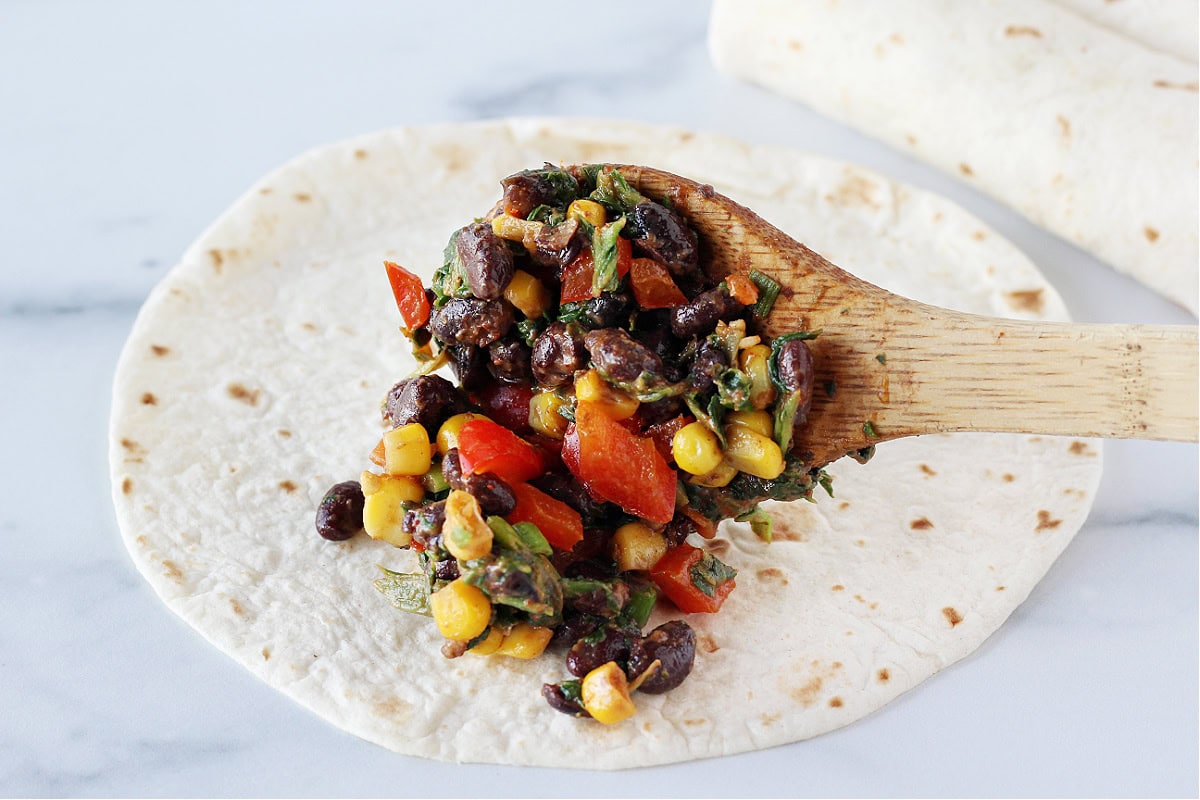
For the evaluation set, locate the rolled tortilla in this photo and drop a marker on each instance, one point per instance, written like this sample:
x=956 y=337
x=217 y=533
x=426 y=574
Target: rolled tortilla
x=1087 y=132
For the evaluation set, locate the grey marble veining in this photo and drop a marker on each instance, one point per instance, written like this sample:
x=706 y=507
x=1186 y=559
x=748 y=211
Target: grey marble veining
x=126 y=127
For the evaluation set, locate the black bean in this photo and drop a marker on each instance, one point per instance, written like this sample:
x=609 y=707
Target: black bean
x=427 y=399
x=795 y=364
x=555 y=246
x=659 y=411
x=679 y=528
x=471 y=321
x=486 y=259
x=509 y=361
x=559 y=701
x=340 y=514
x=424 y=524
x=662 y=234
x=608 y=310
x=494 y=495
x=710 y=362
x=557 y=353
x=700 y=316
x=674 y=645
x=529 y=189
x=573 y=628
x=470 y=365
x=567 y=489
x=610 y=643
x=619 y=357
x=446 y=569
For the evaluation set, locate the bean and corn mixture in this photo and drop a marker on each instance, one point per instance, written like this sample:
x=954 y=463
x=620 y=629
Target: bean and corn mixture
x=613 y=405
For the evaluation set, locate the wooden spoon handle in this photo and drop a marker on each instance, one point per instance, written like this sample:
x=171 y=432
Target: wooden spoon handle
x=960 y=372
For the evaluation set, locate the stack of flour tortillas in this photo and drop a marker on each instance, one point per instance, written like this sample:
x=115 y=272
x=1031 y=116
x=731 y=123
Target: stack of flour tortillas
x=1080 y=114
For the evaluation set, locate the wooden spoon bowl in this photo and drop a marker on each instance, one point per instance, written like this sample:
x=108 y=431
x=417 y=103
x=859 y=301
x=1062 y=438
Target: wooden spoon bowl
x=889 y=367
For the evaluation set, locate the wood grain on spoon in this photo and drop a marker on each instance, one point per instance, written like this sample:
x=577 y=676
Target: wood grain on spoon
x=889 y=367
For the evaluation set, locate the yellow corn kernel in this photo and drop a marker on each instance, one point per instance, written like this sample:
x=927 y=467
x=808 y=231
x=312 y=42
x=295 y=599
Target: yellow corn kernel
x=528 y=294
x=489 y=645
x=591 y=388
x=721 y=476
x=447 y=435
x=605 y=694
x=757 y=421
x=383 y=509
x=637 y=546
x=588 y=211
x=406 y=450
x=464 y=532
x=525 y=641
x=513 y=228
x=754 y=361
x=460 y=610
x=753 y=453
x=544 y=417
x=695 y=449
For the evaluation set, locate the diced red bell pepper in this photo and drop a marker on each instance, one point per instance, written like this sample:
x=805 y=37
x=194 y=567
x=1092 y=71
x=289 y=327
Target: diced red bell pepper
x=484 y=446
x=653 y=286
x=508 y=404
x=673 y=575
x=409 y=294
x=577 y=276
x=559 y=523
x=615 y=465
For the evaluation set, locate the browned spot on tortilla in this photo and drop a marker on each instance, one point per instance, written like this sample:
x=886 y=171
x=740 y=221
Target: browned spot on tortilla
x=148 y=399
x=1026 y=300
x=1074 y=492
x=266 y=654
x=707 y=643
x=302 y=197
x=159 y=350
x=806 y=693
x=363 y=384
x=883 y=676
x=308 y=326
x=795 y=44
x=265 y=190
x=920 y=524
x=141 y=541
x=837 y=587
x=835 y=702
x=1190 y=86
x=360 y=154
x=860 y=542
x=1022 y=30
x=927 y=470
x=695 y=722
x=173 y=571
x=1151 y=234
x=937 y=216
x=896 y=38
x=284 y=433
x=965 y=169
x=1078 y=448
x=1064 y=125
x=287 y=486
x=686 y=136
x=1008 y=477
x=242 y=394
x=237 y=607
x=133 y=447
x=854 y=190
x=784 y=530
x=871 y=604
x=772 y=574
x=1000 y=588
x=391 y=706
x=127 y=486
x=912 y=140
x=718 y=546
x=1045 y=523
x=232 y=469
x=952 y=616
x=770 y=719
x=842 y=506
x=646 y=727
x=217 y=259
x=979 y=236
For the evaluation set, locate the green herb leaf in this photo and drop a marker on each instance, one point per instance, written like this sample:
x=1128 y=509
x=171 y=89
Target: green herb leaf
x=710 y=572
x=546 y=214
x=615 y=193
x=825 y=481
x=518 y=578
x=831 y=388
x=604 y=257
x=639 y=606
x=881 y=358
x=528 y=330
x=869 y=430
x=450 y=280
x=407 y=591
x=777 y=347
x=533 y=538
x=595 y=591
x=785 y=419
x=760 y=522
x=558 y=186
x=734 y=389
x=710 y=418
x=768 y=291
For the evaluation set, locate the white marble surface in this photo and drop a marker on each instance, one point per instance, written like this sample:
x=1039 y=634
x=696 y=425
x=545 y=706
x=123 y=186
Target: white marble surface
x=125 y=127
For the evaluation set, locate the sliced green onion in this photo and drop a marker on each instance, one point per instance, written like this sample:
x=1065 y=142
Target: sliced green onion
x=768 y=291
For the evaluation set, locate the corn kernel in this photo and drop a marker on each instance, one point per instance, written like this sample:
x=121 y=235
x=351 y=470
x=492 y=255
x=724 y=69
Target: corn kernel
x=464 y=533
x=588 y=211
x=637 y=546
x=383 y=506
x=514 y=229
x=447 y=435
x=460 y=610
x=753 y=453
x=754 y=361
x=525 y=641
x=544 y=417
x=528 y=294
x=605 y=694
x=406 y=450
x=489 y=645
x=757 y=421
x=617 y=405
x=721 y=476
x=695 y=449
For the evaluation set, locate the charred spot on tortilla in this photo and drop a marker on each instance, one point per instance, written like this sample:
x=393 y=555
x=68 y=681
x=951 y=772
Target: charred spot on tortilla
x=952 y=616
x=883 y=676
x=1026 y=300
x=288 y=486
x=243 y=395
x=126 y=485
x=1045 y=522
x=159 y=350
x=148 y=399
x=920 y=524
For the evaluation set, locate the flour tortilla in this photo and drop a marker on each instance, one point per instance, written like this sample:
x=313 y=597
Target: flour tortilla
x=1087 y=132
x=251 y=382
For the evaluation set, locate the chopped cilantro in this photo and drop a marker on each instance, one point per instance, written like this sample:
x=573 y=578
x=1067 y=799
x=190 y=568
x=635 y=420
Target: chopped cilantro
x=710 y=572
x=869 y=430
x=881 y=358
x=768 y=291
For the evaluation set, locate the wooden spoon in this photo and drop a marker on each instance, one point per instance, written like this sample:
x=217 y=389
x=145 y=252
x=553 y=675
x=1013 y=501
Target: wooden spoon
x=904 y=368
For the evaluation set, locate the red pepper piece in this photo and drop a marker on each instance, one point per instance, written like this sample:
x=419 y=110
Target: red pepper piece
x=653 y=286
x=577 y=276
x=673 y=575
x=615 y=465
x=484 y=446
x=409 y=294
x=559 y=523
